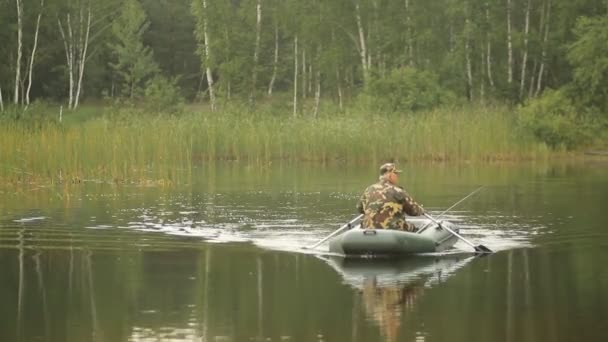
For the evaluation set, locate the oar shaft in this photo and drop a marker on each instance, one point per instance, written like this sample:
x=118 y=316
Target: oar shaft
x=348 y=225
x=479 y=248
x=450 y=230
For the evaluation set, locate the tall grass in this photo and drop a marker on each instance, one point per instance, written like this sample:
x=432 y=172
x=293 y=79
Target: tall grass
x=144 y=147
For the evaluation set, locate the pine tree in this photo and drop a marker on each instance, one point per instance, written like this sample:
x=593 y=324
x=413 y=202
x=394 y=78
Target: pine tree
x=134 y=63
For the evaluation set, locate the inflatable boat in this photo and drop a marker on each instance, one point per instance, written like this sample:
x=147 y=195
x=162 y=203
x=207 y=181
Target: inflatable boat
x=430 y=238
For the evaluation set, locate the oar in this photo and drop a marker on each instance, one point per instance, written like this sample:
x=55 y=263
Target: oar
x=346 y=226
x=478 y=248
x=450 y=208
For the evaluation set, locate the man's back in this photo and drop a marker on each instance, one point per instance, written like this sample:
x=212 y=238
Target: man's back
x=384 y=204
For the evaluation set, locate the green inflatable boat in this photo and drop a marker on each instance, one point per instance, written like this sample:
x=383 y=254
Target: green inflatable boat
x=360 y=242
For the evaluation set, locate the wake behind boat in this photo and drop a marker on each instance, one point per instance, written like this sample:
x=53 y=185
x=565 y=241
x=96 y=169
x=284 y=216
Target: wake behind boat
x=431 y=237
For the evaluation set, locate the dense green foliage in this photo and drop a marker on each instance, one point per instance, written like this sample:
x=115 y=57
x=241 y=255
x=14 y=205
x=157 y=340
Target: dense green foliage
x=554 y=119
x=589 y=57
x=408 y=89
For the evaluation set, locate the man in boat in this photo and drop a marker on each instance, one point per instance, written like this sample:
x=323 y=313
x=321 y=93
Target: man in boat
x=384 y=204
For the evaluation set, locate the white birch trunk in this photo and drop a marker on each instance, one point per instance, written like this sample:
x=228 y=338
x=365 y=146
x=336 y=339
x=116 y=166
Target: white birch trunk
x=208 y=58
x=524 y=58
x=1 y=101
x=33 y=55
x=451 y=38
x=482 y=76
x=69 y=55
x=362 y=45
x=339 y=81
x=469 y=69
x=256 y=53
x=371 y=29
x=276 y=58
x=489 y=49
x=509 y=45
x=408 y=23
x=83 y=55
x=338 y=78
x=318 y=84
x=543 y=55
x=303 y=83
x=534 y=72
x=228 y=81
x=19 y=49
x=467 y=53
x=295 y=77
x=532 y=79
x=310 y=77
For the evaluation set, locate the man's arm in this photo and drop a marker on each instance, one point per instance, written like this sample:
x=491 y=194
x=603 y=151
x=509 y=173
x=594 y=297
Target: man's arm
x=411 y=207
x=360 y=208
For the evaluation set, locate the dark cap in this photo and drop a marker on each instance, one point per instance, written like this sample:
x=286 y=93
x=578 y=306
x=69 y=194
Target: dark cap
x=389 y=167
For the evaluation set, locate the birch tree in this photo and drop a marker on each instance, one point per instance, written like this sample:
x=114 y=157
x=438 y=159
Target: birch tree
x=19 y=49
x=543 y=55
x=80 y=26
x=362 y=46
x=275 y=61
x=524 y=58
x=488 y=46
x=295 y=76
x=467 y=52
x=317 y=83
x=33 y=54
x=410 y=38
x=509 y=45
x=201 y=14
x=256 y=53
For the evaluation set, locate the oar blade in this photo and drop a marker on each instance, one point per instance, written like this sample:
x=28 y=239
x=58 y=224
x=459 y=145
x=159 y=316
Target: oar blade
x=482 y=249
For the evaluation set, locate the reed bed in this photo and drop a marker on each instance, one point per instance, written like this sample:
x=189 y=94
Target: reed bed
x=146 y=147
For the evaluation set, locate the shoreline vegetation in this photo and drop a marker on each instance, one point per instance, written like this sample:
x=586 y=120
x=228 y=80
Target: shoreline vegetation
x=136 y=91
x=128 y=145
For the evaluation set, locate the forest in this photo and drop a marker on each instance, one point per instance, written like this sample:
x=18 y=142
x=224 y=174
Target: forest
x=536 y=67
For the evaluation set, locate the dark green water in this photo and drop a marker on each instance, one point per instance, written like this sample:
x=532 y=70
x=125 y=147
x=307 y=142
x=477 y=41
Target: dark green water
x=219 y=259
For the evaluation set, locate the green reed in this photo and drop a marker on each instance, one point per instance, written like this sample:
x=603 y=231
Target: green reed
x=145 y=147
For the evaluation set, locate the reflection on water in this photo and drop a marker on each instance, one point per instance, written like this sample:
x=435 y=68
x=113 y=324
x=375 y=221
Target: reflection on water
x=221 y=260
x=390 y=288
x=385 y=305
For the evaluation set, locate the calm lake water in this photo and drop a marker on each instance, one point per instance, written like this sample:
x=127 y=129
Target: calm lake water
x=219 y=258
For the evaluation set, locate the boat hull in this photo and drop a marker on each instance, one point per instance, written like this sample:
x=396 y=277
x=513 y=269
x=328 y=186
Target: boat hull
x=357 y=241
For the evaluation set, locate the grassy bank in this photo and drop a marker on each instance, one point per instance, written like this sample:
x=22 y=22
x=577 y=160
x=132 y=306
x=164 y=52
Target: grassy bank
x=130 y=146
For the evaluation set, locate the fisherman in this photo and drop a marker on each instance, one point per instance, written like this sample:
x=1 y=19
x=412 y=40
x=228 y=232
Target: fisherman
x=384 y=204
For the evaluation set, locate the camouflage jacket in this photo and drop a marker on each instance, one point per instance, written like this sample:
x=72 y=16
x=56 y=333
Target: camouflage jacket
x=384 y=205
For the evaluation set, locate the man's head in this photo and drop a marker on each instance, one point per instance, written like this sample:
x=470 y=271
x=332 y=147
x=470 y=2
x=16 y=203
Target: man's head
x=389 y=172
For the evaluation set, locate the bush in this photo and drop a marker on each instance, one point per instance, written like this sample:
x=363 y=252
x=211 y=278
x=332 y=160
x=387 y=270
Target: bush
x=556 y=121
x=408 y=89
x=162 y=95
